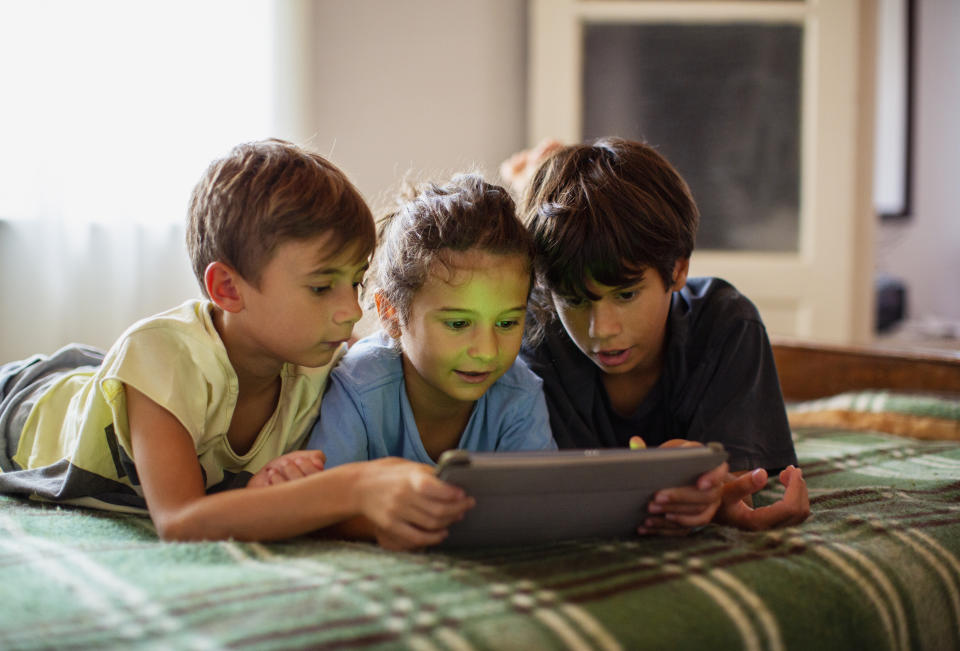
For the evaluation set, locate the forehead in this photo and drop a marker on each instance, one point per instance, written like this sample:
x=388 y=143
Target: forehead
x=320 y=254
x=475 y=280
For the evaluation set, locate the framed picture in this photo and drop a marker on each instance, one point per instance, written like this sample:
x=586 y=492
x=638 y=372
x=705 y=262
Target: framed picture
x=894 y=108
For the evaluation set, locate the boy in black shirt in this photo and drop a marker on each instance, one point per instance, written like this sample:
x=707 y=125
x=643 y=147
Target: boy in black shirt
x=628 y=347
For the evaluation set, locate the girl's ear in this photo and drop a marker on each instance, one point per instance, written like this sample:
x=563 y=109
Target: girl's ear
x=222 y=283
x=680 y=269
x=388 y=315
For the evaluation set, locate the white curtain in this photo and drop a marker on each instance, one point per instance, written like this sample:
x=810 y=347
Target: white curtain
x=110 y=111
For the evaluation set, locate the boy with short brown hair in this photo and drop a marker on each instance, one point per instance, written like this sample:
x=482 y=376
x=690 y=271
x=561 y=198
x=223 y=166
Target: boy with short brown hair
x=194 y=400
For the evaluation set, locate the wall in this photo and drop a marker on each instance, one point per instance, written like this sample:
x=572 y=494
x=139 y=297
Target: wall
x=431 y=86
x=924 y=250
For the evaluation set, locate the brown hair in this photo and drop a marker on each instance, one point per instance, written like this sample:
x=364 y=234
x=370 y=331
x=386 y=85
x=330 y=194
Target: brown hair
x=607 y=210
x=465 y=213
x=265 y=193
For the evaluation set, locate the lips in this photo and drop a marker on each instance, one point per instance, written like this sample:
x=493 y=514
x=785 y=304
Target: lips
x=474 y=377
x=612 y=357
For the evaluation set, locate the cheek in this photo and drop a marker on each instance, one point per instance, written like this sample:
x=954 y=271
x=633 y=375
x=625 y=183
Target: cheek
x=574 y=322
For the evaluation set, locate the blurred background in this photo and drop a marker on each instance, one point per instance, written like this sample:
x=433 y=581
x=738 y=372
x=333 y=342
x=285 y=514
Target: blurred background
x=111 y=110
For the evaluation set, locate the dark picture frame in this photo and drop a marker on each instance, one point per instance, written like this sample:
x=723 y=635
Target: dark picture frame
x=893 y=171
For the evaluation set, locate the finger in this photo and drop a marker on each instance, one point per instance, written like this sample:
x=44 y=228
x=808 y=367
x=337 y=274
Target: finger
x=290 y=469
x=306 y=465
x=432 y=515
x=680 y=495
x=745 y=485
x=680 y=443
x=713 y=478
x=412 y=537
x=793 y=509
x=319 y=459
x=427 y=485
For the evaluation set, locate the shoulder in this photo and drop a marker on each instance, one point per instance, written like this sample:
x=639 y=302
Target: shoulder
x=370 y=365
x=714 y=300
x=190 y=324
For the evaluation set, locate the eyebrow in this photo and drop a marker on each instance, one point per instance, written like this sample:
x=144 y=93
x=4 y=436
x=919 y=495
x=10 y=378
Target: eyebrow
x=520 y=308
x=326 y=271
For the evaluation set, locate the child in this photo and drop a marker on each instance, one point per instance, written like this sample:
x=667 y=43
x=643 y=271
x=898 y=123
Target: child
x=453 y=273
x=630 y=346
x=196 y=399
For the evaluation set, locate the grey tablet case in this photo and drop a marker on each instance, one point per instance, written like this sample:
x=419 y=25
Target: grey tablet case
x=530 y=497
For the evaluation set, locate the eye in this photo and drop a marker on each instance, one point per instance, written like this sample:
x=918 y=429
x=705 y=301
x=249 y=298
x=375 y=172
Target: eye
x=508 y=324
x=456 y=324
x=627 y=295
x=573 y=302
x=323 y=289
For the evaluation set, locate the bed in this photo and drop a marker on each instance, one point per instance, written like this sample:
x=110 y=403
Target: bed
x=877 y=566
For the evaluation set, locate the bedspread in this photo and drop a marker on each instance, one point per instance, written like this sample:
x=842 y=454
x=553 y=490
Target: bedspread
x=877 y=566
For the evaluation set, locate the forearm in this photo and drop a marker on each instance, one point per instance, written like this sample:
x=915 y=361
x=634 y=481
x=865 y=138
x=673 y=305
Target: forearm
x=269 y=513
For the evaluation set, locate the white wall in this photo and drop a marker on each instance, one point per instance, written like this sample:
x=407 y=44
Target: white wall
x=924 y=250
x=435 y=86
x=429 y=86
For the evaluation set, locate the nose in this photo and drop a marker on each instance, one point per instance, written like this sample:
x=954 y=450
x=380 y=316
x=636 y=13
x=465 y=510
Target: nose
x=604 y=322
x=348 y=309
x=484 y=346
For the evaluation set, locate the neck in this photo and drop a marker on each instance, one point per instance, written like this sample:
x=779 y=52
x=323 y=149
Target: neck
x=627 y=391
x=256 y=371
x=440 y=419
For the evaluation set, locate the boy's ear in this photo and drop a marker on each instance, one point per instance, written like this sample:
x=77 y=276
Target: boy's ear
x=680 y=269
x=222 y=283
x=388 y=315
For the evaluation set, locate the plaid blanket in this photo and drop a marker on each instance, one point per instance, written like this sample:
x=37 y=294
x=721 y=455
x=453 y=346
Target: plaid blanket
x=877 y=566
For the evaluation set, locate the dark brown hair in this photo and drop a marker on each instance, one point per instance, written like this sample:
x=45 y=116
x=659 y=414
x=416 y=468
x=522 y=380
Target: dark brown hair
x=265 y=193
x=463 y=214
x=606 y=211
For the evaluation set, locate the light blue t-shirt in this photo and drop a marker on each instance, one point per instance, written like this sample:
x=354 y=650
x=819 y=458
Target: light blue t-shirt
x=366 y=414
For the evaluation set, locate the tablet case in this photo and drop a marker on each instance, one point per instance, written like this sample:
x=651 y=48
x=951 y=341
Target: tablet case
x=533 y=497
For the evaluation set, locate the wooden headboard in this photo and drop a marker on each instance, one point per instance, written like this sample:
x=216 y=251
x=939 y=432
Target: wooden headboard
x=810 y=370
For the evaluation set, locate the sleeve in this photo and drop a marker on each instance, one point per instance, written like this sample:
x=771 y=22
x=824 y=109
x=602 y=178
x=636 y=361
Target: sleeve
x=527 y=425
x=340 y=430
x=736 y=399
x=182 y=376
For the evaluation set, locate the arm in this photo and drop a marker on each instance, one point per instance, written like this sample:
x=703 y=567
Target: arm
x=400 y=497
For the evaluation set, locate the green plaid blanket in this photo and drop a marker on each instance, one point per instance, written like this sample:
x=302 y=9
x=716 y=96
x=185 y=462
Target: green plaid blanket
x=877 y=566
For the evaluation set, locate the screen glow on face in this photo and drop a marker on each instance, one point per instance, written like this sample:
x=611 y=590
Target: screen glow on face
x=465 y=326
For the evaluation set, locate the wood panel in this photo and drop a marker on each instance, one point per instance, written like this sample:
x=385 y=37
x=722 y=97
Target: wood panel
x=809 y=370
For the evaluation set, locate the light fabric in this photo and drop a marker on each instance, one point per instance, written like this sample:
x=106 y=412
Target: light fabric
x=75 y=444
x=366 y=413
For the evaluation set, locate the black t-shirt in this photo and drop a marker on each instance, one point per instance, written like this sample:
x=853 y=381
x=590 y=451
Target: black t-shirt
x=718 y=383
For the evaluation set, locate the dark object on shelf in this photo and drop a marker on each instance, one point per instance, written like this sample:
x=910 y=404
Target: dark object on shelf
x=891 y=302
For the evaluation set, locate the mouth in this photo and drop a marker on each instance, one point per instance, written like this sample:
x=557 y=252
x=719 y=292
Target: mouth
x=612 y=357
x=474 y=377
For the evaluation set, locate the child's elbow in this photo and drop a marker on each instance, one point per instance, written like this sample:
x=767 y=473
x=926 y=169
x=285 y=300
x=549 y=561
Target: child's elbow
x=180 y=527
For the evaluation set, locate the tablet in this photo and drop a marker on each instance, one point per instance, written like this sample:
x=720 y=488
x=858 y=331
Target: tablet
x=531 y=497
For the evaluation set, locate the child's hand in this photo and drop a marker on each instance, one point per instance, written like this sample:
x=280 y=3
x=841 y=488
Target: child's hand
x=287 y=467
x=792 y=509
x=519 y=168
x=677 y=511
x=408 y=506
